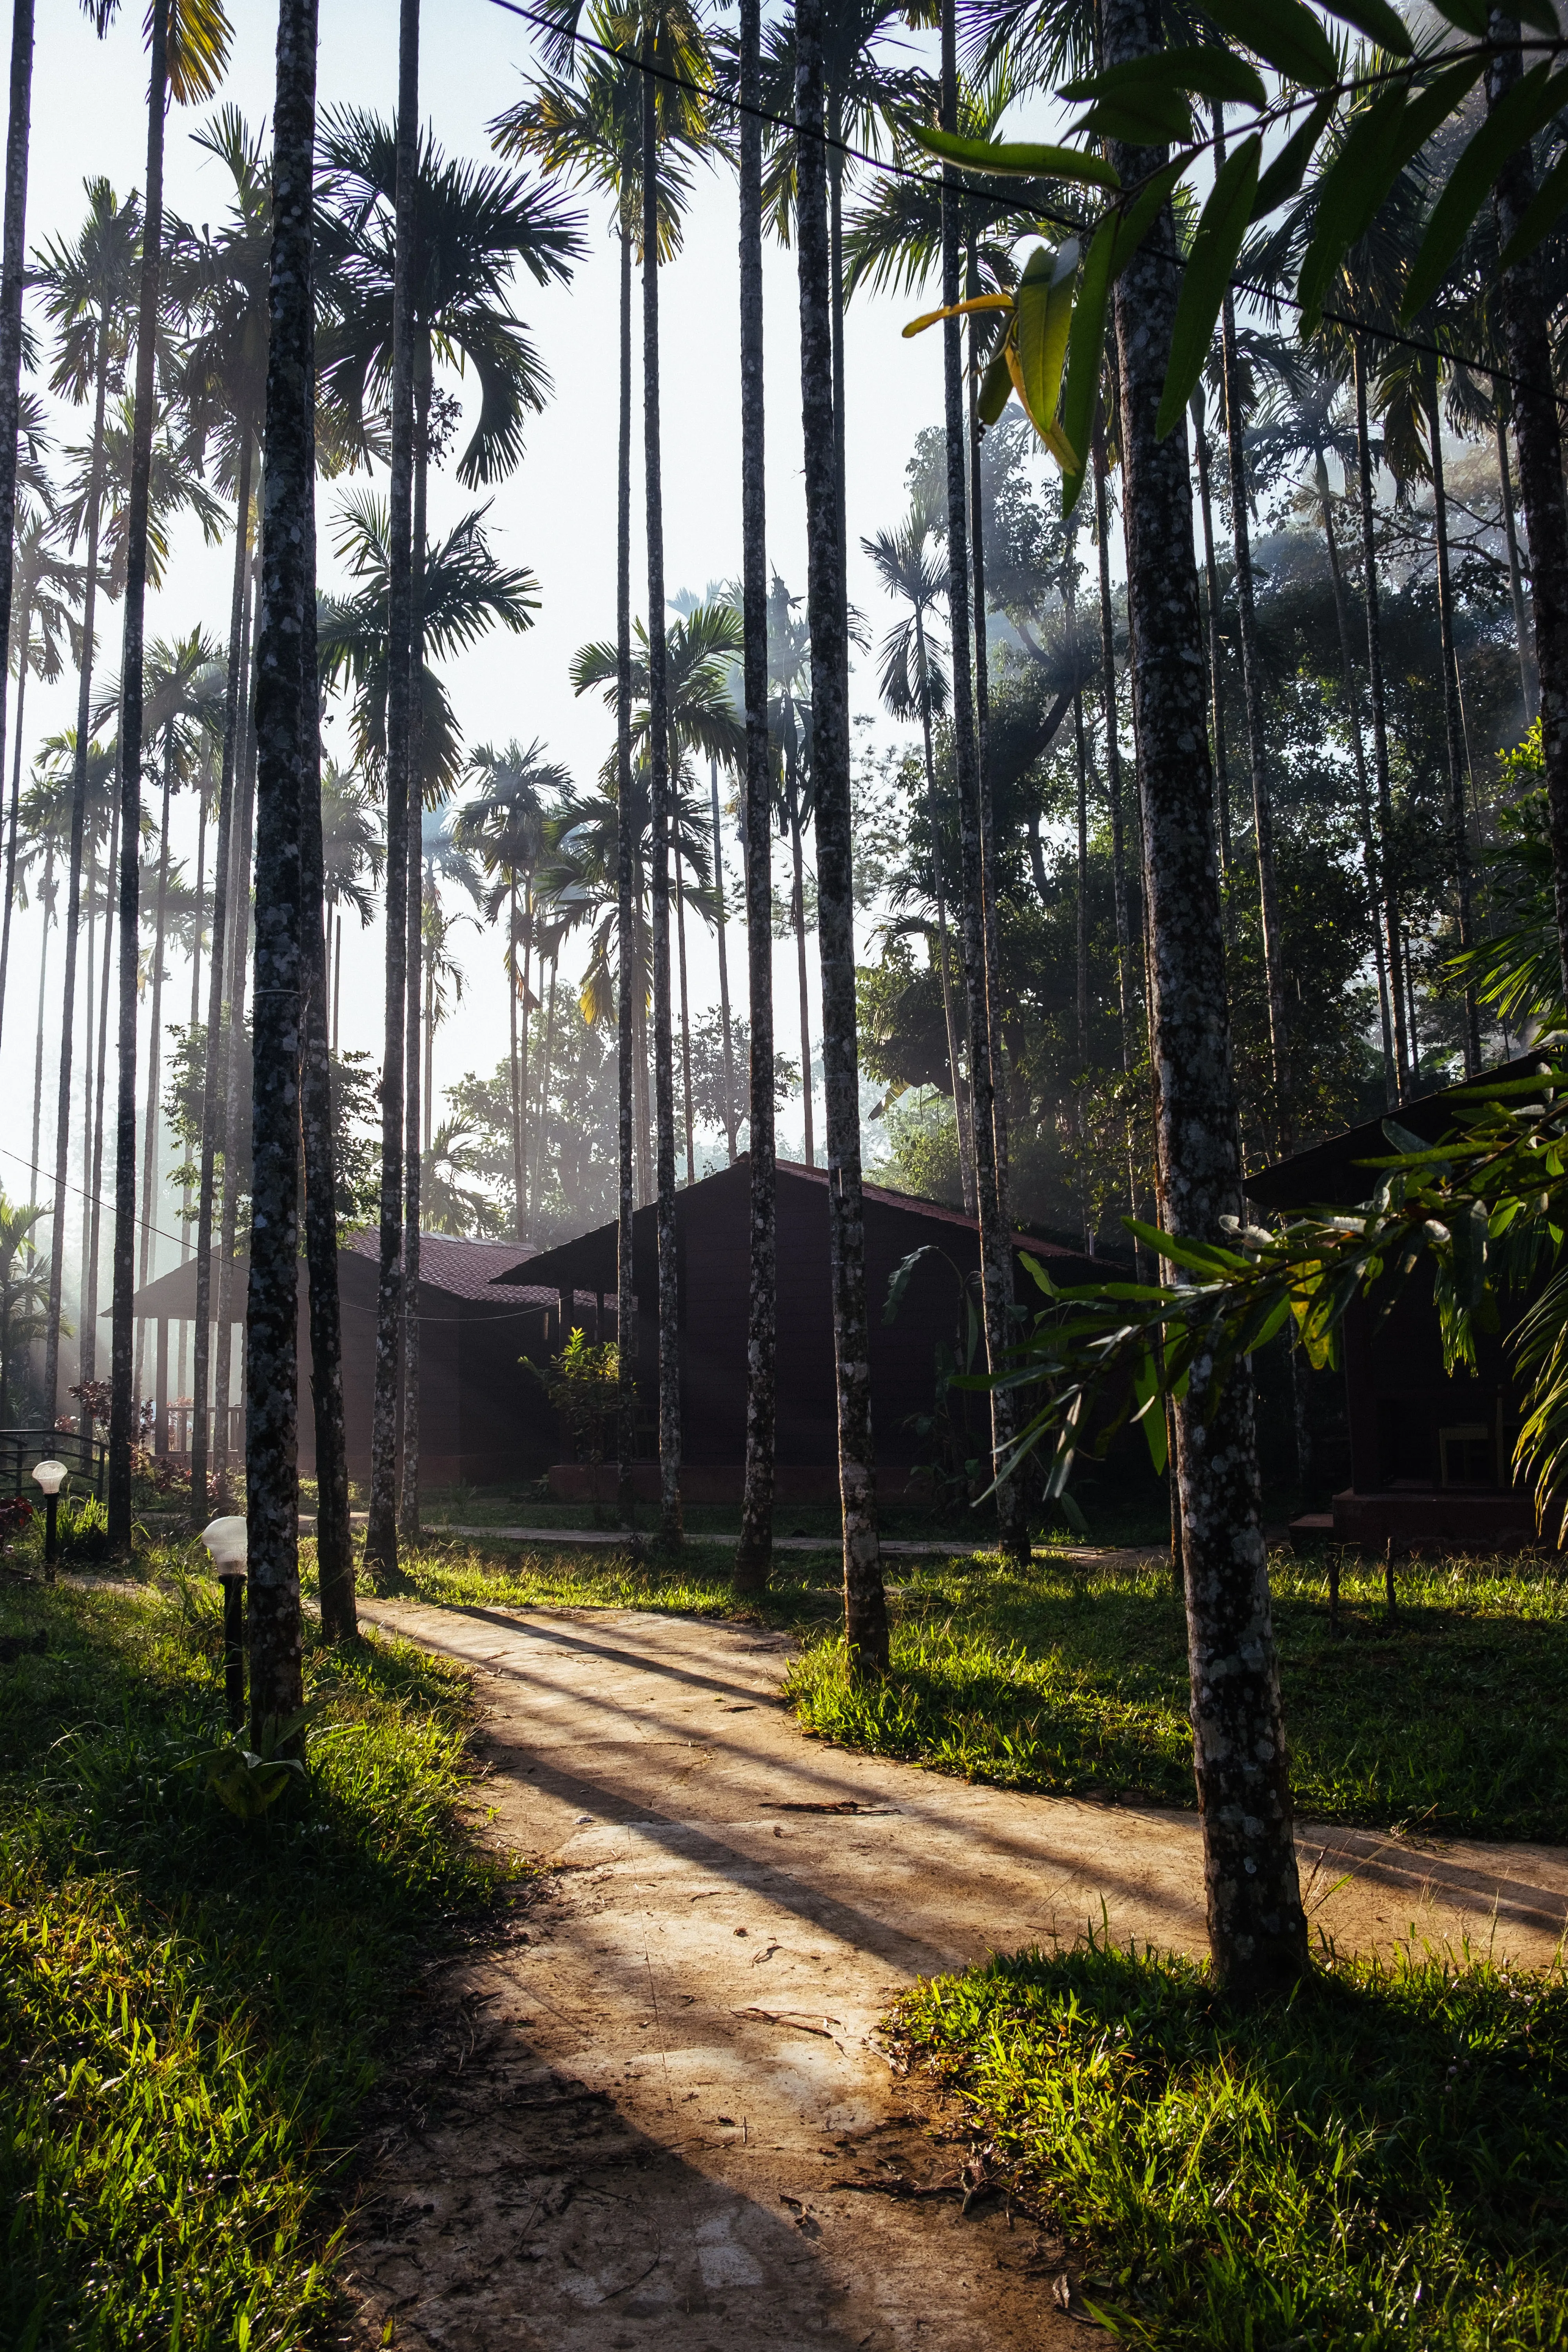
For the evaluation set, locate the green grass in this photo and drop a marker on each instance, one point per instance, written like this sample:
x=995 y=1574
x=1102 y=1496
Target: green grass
x=1072 y=1680
x=458 y=1574
x=1452 y=1718
x=1381 y=2162
x=192 y=2007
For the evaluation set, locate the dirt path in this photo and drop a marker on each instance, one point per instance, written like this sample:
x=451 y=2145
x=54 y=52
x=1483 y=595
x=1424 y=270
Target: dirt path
x=659 y=2111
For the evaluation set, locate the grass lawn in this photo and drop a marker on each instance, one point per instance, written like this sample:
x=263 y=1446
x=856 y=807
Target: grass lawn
x=192 y=2006
x=1068 y=1679
x=1380 y=2162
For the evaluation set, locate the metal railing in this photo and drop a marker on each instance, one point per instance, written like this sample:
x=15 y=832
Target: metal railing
x=87 y=1458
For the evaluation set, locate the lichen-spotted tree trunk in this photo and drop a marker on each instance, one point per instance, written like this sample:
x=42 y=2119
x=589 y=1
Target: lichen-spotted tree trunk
x=1453 y=720
x=13 y=260
x=865 y=1602
x=1363 y=794
x=217 y=957
x=380 y=1532
x=120 y=1431
x=1404 y=1043
x=1257 y=758
x=670 y=1529
x=334 y=1544
x=414 y=959
x=753 y=1557
x=1257 y=1932
x=284 y=740
x=996 y=1241
x=74 y=870
x=628 y=963
x=726 y=1033
x=1538 y=435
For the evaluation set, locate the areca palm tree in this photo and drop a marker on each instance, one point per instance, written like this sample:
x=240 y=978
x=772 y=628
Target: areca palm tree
x=218 y=289
x=189 y=43
x=914 y=684
x=287 y=902
x=503 y=827
x=47 y=603
x=468 y=230
x=89 y=289
x=353 y=855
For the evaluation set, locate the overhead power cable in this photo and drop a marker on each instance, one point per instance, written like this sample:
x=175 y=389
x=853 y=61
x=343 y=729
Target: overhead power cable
x=892 y=168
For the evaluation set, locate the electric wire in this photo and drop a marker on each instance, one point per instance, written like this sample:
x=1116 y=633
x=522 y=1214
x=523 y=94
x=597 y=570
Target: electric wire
x=891 y=168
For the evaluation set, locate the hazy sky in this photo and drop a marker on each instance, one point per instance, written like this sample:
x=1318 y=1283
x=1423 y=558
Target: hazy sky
x=557 y=514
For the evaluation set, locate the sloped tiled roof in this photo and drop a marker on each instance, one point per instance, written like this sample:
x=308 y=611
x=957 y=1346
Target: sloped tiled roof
x=464 y=1268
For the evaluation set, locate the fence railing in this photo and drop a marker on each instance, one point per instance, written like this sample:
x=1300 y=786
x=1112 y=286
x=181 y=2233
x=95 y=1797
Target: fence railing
x=87 y=1458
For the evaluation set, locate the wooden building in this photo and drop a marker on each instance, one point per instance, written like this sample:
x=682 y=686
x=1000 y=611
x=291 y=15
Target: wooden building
x=712 y=1225
x=483 y=1417
x=1430 y=1453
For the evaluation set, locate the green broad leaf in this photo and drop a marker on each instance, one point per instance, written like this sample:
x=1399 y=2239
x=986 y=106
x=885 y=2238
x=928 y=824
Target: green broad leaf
x=901 y=1277
x=1526 y=108
x=1382 y=140
x=1009 y=158
x=1150 y=1413
x=1086 y=352
x=1377 y=20
x=1036 y=1274
x=1133 y=224
x=1043 y=310
x=1212 y=72
x=1207 y=277
x=1470 y=16
x=996 y=389
x=1143 y=117
x=1402 y=1139
x=1284 y=177
x=1284 y=34
x=1542 y=217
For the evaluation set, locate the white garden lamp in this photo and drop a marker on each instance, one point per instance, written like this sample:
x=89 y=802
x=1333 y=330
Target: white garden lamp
x=228 y=1542
x=49 y=1477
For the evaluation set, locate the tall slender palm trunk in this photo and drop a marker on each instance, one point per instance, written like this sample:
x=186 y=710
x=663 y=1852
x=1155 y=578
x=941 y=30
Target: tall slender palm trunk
x=408 y=1497
x=865 y=1602
x=518 y=1185
x=73 y=884
x=1112 y=750
x=283 y=974
x=1257 y=1931
x=1252 y=697
x=1403 y=1052
x=45 y=904
x=13 y=265
x=726 y=1036
x=990 y=893
x=120 y=1433
x=685 y=1021
x=1527 y=683
x=995 y=1238
x=234 y=1064
x=335 y=1542
x=155 y=1034
x=13 y=815
x=381 y=1533
x=934 y=818
x=1538 y=437
x=670 y=1514
x=753 y=1555
x=1453 y=722
x=628 y=959
x=1216 y=674
x=797 y=912
x=1363 y=796
x=212 y=1073
x=88 y=1345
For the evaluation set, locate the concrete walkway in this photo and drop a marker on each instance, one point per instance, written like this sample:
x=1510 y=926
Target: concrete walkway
x=661 y=2111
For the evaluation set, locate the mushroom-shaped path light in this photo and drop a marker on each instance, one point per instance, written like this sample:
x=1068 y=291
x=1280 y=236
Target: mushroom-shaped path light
x=228 y=1542
x=49 y=1477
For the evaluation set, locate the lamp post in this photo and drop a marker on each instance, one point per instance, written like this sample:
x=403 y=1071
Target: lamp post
x=228 y=1540
x=49 y=1477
